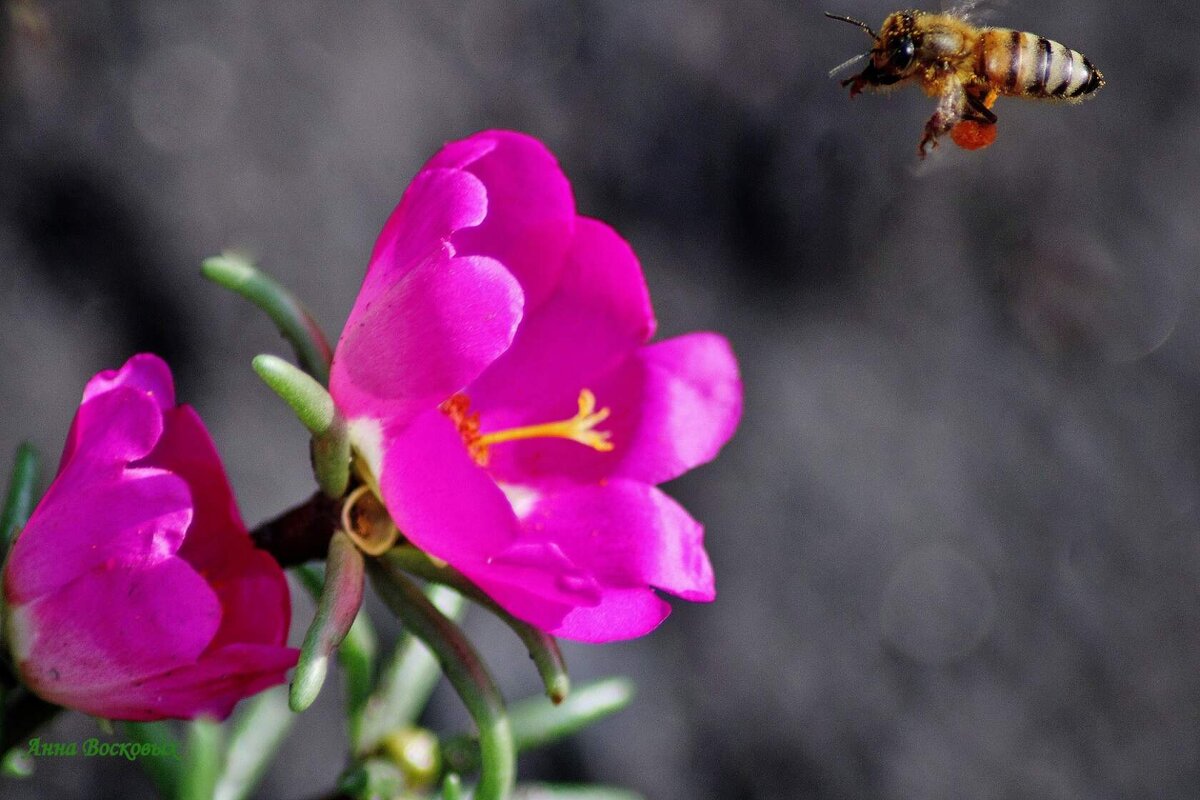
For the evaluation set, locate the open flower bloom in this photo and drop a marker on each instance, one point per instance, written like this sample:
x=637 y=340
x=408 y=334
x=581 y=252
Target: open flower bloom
x=134 y=592
x=498 y=382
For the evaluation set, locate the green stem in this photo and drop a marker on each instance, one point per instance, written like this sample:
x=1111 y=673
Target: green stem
x=289 y=315
x=258 y=732
x=407 y=680
x=542 y=647
x=357 y=657
x=201 y=761
x=463 y=668
x=452 y=787
x=536 y=722
x=164 y=770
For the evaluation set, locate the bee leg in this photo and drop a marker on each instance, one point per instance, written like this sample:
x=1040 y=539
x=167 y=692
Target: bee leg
x=950 y=109
x=938 y=125
x=977 y=111
x=856 y=84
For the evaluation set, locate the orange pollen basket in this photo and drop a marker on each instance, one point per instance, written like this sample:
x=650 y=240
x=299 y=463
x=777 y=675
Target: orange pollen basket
x=579 y=428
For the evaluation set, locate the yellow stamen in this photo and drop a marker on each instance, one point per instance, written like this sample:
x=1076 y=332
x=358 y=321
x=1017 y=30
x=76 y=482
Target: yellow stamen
x=579 y=428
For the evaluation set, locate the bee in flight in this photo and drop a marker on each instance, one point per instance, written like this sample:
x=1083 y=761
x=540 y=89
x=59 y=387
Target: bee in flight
x=966 y=68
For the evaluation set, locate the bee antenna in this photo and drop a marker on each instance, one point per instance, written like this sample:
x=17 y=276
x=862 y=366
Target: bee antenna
x=853 y=21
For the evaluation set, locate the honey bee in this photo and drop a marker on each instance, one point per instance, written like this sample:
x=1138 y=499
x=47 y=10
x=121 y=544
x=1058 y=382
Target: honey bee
x=966 y=68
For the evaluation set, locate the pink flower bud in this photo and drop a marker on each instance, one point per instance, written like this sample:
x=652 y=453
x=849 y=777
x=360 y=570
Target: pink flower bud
x=134 y=592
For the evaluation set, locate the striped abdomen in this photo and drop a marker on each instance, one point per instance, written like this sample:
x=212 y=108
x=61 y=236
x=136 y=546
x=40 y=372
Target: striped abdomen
x=1025 y=64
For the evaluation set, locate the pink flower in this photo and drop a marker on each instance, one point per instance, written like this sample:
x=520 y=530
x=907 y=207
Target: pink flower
x=498 y=382
x=134 y=592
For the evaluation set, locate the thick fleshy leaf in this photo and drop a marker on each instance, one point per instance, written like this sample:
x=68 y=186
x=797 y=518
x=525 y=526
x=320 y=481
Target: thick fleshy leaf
x=598 y=315
x=673 y=406
x=113 y=627
x=530 y=208
x=424 y=338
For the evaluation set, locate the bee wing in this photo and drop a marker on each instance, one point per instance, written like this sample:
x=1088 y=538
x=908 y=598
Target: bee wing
x=975 y=10
x=845 y=65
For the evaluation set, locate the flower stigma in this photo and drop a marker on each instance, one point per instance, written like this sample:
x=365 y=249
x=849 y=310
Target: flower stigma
x=580 y=428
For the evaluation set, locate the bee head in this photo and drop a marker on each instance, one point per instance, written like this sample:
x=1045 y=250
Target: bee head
x=893 y=55
x=895 y=48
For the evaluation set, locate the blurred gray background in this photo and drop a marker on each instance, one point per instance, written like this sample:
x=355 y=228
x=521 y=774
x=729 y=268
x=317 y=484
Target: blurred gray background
x=956 y=535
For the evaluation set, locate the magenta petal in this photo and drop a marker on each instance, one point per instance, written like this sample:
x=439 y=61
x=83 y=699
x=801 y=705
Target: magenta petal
x=446 y=505
x=424 y=338
x=622 y=614
x=144 y=372
x=690 y=405
x=138 y=519
x=437 y=203
x=623 y=535
x=597 y=316
x=626 y=534
x=97 y=511
x=134 y=581
x=439 y=498
x=530 y=209
x=112 y=627
x=603 y=274
x=209 y=688
x=460 y=154
x=254 y=595
x=112 y=429
x=673 y=406
x=534 y=581
x=249 y=583
x=187 y=450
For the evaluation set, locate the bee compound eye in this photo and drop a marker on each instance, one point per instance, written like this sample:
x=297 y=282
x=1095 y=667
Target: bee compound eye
x=903 y=54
